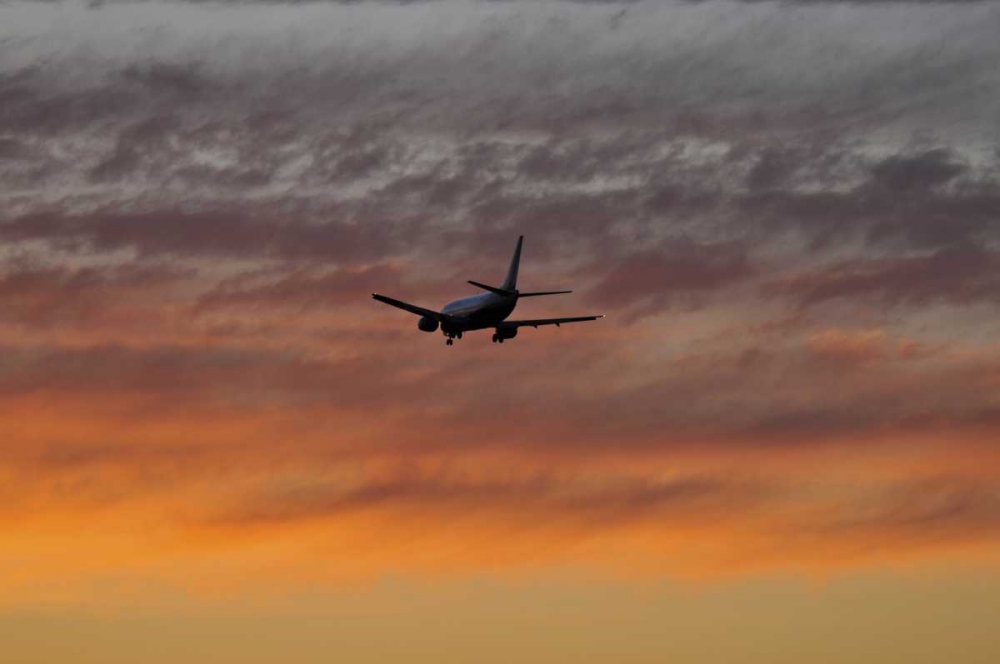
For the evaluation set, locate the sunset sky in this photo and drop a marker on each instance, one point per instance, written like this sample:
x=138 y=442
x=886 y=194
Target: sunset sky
x=781 y=445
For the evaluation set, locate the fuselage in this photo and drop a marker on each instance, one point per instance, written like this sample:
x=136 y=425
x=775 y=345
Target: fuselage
x=478 y=312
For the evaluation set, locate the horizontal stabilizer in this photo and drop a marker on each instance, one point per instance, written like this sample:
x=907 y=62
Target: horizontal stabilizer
x=549 y=292
x=492 y=289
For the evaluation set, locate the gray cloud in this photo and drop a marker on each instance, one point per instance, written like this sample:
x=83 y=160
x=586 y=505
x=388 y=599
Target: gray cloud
x=658 y=277
x=953 y=275
x=717 y=160
x=227 y=231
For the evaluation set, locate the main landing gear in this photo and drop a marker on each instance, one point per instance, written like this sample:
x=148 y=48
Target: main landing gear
x=497 y=339
x=451 y=337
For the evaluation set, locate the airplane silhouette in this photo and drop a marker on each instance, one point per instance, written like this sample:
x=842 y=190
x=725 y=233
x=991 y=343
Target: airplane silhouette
x=479 y=312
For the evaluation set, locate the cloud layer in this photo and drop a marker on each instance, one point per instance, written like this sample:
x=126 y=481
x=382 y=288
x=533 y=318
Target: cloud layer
x=789 y=211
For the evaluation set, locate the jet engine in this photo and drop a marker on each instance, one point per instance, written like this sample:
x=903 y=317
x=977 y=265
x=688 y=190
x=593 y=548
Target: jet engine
x=504 y=333
x=427 y=324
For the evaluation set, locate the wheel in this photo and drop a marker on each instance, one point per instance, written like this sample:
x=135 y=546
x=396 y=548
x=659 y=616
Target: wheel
x=494 y=338
x=450 y=342
x=500 y=340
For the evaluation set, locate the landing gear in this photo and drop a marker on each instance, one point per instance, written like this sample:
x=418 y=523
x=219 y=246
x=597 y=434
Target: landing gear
x=450 y=342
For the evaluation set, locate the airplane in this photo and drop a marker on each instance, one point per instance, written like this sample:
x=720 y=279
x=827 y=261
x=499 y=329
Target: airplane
x=483 y=311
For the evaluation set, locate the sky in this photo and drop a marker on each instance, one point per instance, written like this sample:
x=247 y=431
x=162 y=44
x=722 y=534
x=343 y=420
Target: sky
x=782 y=444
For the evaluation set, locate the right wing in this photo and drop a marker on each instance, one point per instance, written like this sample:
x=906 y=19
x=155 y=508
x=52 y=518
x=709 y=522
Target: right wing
x=547 y=292
x=412 y=308
x=547 y=321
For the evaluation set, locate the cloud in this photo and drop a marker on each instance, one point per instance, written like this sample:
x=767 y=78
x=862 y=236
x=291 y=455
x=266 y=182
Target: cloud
x=45 y=296
x=937 y=507
x=436 y=491
x=224 y=232
x=864 y=346
x=959 y=276
x=655 y=279
x=302 y=289
x=905 y=173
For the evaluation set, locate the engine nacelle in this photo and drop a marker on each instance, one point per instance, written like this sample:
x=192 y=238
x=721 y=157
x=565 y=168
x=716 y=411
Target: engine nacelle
x=427 y=324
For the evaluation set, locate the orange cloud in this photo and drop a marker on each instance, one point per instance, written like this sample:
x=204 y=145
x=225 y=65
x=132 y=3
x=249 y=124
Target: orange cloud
x=215 y=498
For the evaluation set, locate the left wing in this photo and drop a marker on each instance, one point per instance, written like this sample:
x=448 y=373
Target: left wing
x=547 y=321
x=412 y=308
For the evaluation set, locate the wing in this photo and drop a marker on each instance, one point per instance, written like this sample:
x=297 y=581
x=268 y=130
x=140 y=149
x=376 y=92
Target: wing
x=547 y=321
x=412 y=308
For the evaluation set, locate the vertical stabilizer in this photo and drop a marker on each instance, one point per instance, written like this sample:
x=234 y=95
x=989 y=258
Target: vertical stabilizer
x=511 y=282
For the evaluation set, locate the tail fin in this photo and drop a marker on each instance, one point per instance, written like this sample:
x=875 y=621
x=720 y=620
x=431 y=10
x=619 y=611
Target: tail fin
x=510 y=283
